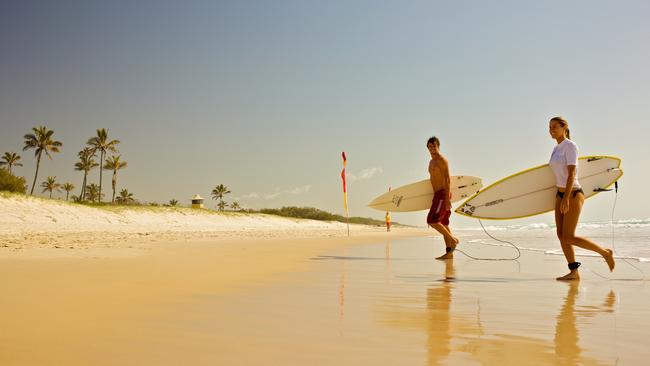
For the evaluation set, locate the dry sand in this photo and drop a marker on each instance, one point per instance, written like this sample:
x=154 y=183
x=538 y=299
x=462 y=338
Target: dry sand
x=36 y=227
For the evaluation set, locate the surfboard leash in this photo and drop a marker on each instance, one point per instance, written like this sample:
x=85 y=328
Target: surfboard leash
x=493 y=259
x=611 y=224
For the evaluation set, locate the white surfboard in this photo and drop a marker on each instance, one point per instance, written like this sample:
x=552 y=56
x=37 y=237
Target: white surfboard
x=532 y=192
x=418 y=196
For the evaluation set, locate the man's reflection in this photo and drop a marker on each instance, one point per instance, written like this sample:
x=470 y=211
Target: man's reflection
x=438 y=322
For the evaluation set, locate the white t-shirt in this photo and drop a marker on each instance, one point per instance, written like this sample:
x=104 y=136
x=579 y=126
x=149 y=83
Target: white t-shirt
x=565 y=153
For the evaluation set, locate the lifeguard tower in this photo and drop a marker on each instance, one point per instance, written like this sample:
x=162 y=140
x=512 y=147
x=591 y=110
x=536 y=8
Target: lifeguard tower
x=197 y=201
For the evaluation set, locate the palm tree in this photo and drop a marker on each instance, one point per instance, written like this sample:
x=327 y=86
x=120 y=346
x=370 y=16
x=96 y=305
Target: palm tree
x=102 y=144
x=67 y=187
x=222 y=205
x=41 y=141
x=217 y=194
x=85 y=164
x=113 y=163
x=51 y=185
x=125 y=197
x=92 y=192
x=10 y=160
x=235 y=206
x=173 y=203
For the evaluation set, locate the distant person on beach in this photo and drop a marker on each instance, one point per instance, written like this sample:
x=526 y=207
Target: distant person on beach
x=438 y=217
x=569 y=198
x=387 y=221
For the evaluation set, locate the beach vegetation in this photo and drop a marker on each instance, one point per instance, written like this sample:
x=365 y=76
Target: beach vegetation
x=173 y=203
x=114 y=163
x=218 y=193
x=92 y=192
x=12 y=183
x=41 y=140
x=125 y=197
x=50 y=185
x=312 y=213
x=67 y=187
x=102 y=144
x=10 y=160
x=85 y=164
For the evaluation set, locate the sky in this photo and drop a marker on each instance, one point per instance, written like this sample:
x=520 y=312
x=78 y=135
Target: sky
x=264 y=96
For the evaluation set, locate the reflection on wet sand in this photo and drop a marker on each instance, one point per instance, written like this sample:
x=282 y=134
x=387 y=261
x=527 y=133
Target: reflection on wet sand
x=438 y=318
x=435 y=320
x=567 y=350
x=454 y=336
x=342 y=294
x=523 y=350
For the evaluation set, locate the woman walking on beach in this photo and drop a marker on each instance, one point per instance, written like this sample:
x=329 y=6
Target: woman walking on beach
x=569 y=198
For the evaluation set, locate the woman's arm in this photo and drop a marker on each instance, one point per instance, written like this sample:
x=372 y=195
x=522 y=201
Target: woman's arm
x=564 y=205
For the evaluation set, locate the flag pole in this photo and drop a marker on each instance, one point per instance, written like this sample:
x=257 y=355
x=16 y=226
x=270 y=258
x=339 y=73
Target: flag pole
x=347 y=220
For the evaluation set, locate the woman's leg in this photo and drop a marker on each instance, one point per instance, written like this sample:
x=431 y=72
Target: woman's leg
x=570 y=223
x=567 y=248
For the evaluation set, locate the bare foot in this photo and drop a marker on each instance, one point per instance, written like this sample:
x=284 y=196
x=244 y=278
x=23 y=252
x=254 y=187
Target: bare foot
x=610 y=259
x=450 y=249
x=571 y=276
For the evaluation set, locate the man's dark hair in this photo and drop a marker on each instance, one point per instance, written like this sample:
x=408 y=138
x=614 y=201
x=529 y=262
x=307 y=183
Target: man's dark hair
x=433 y=140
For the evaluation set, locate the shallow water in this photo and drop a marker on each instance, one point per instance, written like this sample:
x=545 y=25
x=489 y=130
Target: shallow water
x=390 y=303
x=629 y=238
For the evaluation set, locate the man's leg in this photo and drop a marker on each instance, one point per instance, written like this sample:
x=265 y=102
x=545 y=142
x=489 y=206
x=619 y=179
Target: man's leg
x=442 y=229
x=450 y=240
x=438 y=219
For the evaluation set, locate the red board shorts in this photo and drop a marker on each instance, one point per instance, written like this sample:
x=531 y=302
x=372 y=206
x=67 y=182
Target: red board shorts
x=437 y=213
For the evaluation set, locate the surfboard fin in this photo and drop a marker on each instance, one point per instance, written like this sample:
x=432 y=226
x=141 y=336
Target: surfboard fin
x=602 y=190
x=608 y=190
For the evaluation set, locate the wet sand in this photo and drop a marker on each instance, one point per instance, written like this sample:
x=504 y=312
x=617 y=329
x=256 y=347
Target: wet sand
x=368 y=300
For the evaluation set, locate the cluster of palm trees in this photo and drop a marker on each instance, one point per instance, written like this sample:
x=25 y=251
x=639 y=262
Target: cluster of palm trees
x=100 y=147
x=218 y=193
x=42 y=141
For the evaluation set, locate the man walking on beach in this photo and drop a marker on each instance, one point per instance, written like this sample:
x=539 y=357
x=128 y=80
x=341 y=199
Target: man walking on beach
x=438 y=217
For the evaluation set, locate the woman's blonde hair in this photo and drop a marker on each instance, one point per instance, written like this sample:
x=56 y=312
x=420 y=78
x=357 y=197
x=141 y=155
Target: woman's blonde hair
x=562 y=123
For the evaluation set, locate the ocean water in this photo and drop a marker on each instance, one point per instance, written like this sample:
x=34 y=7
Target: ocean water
x=630 y=238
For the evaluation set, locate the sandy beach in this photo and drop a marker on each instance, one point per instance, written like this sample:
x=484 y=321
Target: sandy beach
x=35 y=227
x=292 y=292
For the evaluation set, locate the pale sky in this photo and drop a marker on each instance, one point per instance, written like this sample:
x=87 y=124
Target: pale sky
x=263 y=96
